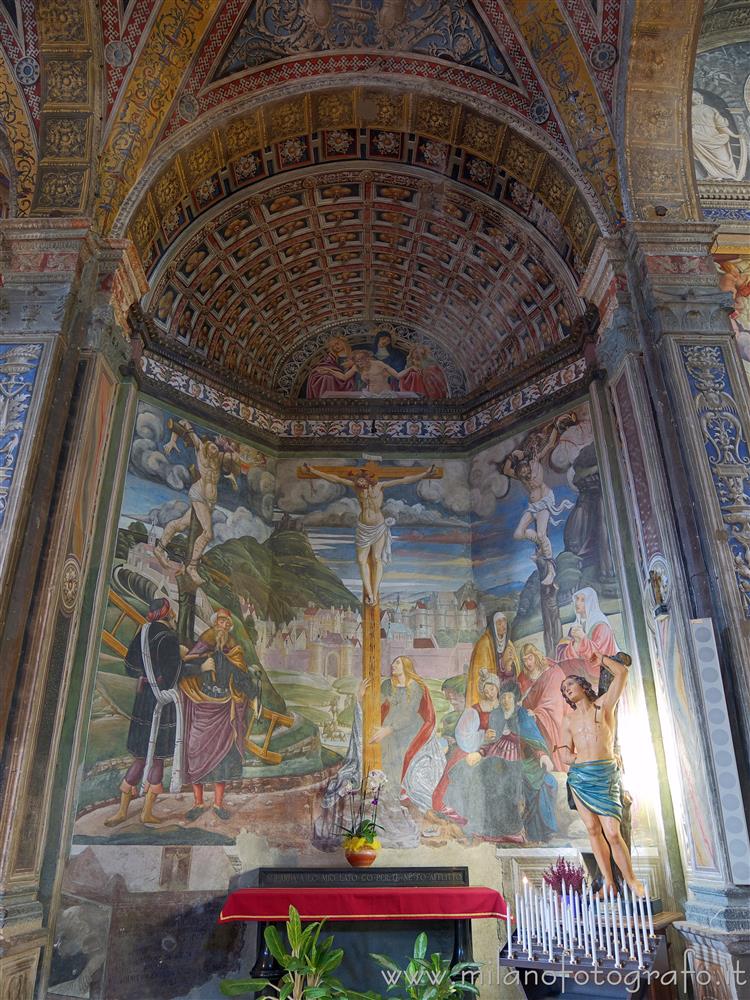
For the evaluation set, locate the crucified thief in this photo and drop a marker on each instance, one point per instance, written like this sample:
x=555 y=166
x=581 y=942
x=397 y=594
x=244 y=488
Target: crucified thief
x=373 y=536
x=525 y=465
x=213 y=459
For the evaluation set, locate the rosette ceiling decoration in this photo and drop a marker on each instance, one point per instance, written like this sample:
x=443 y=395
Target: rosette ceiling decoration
x=289 y=171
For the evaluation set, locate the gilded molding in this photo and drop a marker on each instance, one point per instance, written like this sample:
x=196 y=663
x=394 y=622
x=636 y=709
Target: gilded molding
x=16 y=125
x=658 y=154
x=153 y=85
x=567 y=75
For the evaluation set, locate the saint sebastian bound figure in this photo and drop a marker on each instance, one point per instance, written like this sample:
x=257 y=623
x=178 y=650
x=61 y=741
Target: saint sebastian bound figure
x=373 y=545
x=587 y=747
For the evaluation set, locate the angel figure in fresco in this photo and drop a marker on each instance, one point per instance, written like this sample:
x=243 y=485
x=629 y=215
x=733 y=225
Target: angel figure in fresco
x=526 y=465
x=373 y=537
x=214 y=458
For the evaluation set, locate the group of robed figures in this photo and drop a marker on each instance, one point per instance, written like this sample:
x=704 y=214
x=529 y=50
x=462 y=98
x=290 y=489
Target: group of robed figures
x=193 y=705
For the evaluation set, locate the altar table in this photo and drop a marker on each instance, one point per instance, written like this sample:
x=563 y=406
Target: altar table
x=365 y=903
x=349 y=904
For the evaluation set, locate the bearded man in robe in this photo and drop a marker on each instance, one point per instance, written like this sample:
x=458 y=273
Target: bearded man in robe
x=218 y=689
x=539 y=684
x=495 y=653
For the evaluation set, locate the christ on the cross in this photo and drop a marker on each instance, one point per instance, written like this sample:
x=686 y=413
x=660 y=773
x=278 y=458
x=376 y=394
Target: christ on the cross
x=373 y=537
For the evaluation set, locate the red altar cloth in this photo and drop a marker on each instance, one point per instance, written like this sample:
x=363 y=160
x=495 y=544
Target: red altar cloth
x=365 y=903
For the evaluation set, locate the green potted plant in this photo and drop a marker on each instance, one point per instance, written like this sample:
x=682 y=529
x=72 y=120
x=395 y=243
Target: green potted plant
x=432 y=978
x=308 y=967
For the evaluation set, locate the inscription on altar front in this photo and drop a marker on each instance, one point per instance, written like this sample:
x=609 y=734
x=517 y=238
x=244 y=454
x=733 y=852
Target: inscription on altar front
x=301 y=877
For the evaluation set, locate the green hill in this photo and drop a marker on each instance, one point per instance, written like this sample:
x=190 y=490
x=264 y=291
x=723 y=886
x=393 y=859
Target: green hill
x=279 y=575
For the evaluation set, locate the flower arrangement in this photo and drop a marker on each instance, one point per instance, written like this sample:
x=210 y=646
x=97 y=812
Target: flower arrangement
x=564 y=871
x=363 y=826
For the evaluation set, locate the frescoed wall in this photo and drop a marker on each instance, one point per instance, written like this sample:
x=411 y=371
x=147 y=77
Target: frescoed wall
x=734 y=277
x=498 y=585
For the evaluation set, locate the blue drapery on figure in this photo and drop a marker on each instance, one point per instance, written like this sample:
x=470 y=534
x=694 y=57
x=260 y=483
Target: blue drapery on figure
x=597 y=784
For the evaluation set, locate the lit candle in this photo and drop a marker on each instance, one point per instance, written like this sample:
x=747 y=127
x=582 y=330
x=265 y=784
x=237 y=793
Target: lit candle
x=548 y=913
x=510 y=928
x=519 y=919
x=592 y=928
x=642 y=921
x=538 y=915
x=564 y=912
x=607 y=911
x=629 y=918
x=614 y=930
x=599 y=923
x=579 y=921
x=649 y=913
x=622 y=922
x=527 y=916
x=543 y=915
x=532 y=921
x=570 y=917
x=556 y=912
x=636 y=930
x=585 y=919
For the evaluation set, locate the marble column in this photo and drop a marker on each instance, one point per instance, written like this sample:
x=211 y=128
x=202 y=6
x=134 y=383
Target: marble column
x=678 y=397
x=62 y=401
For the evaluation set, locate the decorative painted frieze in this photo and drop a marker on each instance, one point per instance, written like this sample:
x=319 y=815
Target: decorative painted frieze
x=726 y=449
x=400 y=428
x=18 y=369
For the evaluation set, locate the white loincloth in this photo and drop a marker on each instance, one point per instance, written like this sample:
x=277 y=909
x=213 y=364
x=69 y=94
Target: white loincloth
x=548 y=503
x=368 y=534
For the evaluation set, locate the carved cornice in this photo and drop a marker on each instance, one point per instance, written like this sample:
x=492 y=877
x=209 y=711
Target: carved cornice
x=608 y=259
x=120 y=278
x=44 y=251
x=722 y=192
x=674 y=239
x=690 y=309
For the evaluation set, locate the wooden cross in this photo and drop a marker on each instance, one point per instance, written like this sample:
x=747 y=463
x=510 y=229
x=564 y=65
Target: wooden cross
x=371 y=654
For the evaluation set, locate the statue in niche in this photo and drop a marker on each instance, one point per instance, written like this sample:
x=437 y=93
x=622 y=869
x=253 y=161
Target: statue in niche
x=594 y=781
x=712 y=143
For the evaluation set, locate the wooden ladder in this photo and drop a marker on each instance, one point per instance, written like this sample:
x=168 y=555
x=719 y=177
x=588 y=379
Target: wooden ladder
x=274 y=718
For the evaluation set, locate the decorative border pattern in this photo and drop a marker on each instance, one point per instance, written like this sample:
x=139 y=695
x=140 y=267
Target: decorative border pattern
x=21 y=139
x=152 y=87
x=726 y=449
x=18 y=370
x=397 y=428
